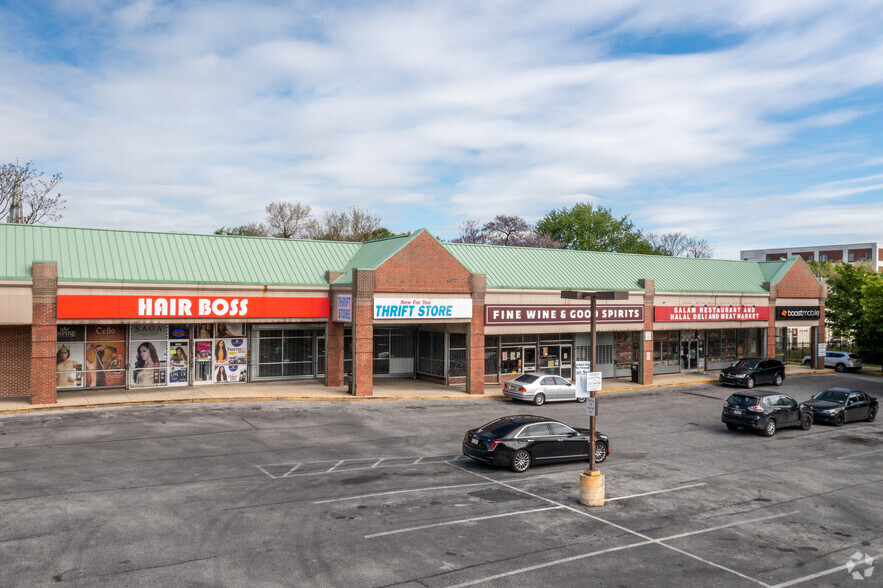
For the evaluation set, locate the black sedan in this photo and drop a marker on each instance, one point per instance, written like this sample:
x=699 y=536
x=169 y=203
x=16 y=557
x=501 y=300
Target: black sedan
x=840 y=405
x=524 y=440
x=754 y=370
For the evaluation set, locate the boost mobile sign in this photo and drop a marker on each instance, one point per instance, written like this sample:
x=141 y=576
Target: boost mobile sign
x=798 y=313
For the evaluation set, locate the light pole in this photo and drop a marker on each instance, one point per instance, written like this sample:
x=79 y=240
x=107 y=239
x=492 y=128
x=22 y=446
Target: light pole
x=592 y=482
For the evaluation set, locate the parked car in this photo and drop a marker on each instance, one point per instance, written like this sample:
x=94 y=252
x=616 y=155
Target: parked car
x=765 y=412
x=841 y=361
x=521 y=441
x=540 y=388
x=753 y=370
x=841 y=405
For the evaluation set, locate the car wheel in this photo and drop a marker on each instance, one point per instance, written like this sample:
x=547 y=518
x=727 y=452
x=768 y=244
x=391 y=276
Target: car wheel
x=872 y=414
x=580 y=399
x=807 y=362
x=770 y=428
x=732 y=427
x=539 y=399
x=839 y=419
x=520 y=461
x=600 y=451
x=749 y=383
x=806 y=423
x=840 y=367
x=779 y=379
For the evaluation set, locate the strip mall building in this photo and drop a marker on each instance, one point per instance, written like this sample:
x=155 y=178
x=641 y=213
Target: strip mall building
x=102 y=309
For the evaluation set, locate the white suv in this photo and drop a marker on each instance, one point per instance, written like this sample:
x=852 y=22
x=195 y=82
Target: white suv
x=839 y=360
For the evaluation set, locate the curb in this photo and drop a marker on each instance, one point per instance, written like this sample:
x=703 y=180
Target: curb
x=348 y=398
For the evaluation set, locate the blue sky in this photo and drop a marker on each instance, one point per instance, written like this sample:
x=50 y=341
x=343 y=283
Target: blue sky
x=746 y=123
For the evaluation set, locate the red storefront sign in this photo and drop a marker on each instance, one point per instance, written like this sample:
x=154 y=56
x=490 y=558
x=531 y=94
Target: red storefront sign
x=554 y=314
x=663 y=314
x=184 y=307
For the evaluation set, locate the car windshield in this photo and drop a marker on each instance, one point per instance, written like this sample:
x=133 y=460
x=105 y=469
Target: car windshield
x=748 y=364
x=741 y=400
x=499 y=428
x=832 y=396
x=527 y=379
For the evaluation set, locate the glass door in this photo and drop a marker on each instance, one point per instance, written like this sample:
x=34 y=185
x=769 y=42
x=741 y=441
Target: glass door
x=530 y=359
x=689 y=355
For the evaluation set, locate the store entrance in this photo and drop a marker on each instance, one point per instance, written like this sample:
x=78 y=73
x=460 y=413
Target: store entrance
x=689 y=355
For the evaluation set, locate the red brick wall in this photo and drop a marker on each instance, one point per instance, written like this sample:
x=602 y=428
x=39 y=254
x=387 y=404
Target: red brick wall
x=859 y=255
x=363 y=332
x=44 y=332
x=423 y=265
x=798 y=283
x=15 y=349
x=647 y=346
x=833 y=255
x=334 y=354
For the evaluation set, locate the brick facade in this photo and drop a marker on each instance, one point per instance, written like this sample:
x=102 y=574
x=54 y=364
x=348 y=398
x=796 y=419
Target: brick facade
x=44 y=332
x=15 y=349
x=646 y=373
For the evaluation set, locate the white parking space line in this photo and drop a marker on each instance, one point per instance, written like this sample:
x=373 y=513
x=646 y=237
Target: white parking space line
x=379 y=461
x=818 y=575
x=332 y=468
x=617 y=526
x=851 y=455
x=462 y=521
x=316 y=468
x=622 y=548
x=654 y=492
x=429 y=489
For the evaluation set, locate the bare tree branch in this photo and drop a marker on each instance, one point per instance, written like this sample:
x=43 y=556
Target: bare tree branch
x=38 y=204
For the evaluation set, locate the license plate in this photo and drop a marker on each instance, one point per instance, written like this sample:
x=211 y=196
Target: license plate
x=474 y=441
x=737 y=412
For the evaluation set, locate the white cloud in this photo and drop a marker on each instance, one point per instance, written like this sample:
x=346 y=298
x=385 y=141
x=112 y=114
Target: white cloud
x=472 y=109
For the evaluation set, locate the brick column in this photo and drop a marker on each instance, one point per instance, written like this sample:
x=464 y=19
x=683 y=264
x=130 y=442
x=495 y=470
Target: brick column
x=334 y=354
x=475 y=337
x=819 y=362
x=771 y=324
x=363 y=332
x=44 y=331
x=646 y=375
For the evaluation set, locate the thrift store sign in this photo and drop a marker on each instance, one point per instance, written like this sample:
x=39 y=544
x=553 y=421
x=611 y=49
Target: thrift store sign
x=710 y=313
x=182 y=307
x=422 y=308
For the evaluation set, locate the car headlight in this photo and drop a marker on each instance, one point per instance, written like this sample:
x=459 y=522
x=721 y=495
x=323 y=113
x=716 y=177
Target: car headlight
x=739 y=375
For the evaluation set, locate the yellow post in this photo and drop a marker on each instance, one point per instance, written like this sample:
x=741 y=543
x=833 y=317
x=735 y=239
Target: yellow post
x=591 y=488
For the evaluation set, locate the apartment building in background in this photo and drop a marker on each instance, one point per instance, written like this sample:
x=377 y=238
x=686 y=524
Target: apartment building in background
x=870 y=253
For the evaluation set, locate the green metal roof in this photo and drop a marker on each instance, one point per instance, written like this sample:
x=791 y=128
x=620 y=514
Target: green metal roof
x=373 y=254
x=97 y=255
x=555 y=269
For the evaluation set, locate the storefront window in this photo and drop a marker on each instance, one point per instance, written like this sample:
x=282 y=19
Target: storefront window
x=90 y=356
x=431 y=353
x=286 y=353
x=149 y=355
x=666 y=349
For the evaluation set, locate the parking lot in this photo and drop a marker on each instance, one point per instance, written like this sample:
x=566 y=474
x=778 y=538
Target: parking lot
x=378 y=494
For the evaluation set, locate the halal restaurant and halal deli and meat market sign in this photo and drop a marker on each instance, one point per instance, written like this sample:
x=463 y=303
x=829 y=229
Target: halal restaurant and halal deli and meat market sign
x=184 y=307
x=710 y=313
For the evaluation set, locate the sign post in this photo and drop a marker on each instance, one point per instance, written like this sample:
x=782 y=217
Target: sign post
x=591 y=480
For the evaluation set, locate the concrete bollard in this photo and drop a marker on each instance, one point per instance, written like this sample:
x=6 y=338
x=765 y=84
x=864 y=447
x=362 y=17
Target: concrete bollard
x=591 y=488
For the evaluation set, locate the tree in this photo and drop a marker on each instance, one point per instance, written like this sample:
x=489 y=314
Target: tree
x=680 y=245
x=348 y=225
x=384 y=233
x=249 y=230
x=289 y=220
x=870 y=333
x=591 y=228
x=821 y=269
x=843 y=309
x=504 y=230
x=39 y=205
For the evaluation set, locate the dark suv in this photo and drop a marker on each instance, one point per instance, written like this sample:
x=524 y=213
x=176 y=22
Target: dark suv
x=765 y=412
x=753 y=370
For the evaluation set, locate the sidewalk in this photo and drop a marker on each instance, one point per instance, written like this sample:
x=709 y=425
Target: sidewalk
x=313 y=390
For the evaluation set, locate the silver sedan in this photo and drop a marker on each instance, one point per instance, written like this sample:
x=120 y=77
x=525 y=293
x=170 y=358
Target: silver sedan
x=540 y=388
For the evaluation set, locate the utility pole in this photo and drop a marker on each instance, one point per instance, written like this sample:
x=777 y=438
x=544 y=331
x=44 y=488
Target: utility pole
x=16 y=211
